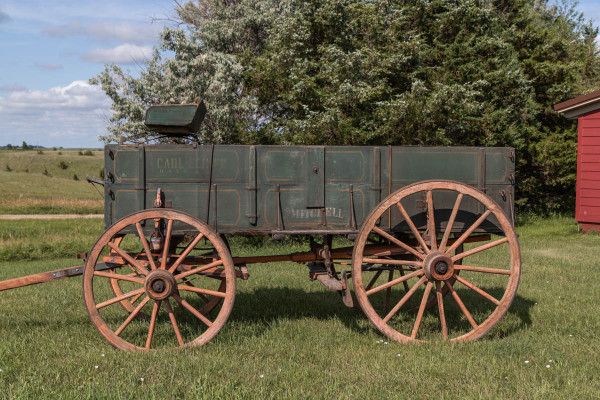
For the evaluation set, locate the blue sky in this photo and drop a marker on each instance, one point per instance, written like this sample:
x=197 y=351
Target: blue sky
x=51 y=48
x=49 y=51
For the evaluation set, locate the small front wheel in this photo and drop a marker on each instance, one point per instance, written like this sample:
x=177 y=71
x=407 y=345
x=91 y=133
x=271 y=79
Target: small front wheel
x=176 y=281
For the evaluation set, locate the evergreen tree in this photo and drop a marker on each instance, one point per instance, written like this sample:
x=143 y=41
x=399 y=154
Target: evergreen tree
x=397 y=72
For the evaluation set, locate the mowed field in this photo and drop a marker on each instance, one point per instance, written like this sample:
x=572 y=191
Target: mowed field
x=289 y=338
x=34 y=183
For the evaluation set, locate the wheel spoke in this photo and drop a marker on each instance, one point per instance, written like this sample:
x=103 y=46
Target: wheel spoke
x=128 y=258
x=120 y=298
x=163 y=263
x=203 y=297
x=478 y=290
x=481 y=269
x=468 y=232
x=185 y=253
x=145 y=244
x=395 y=282
x=431 y=221
x=450 y=222
x=174 y=322
x=413 y=228
x=136 y=298
x=392 y=262
x=413 y=335
x=406 y=289
x=440 y=301
x=119 y=277
x=478 y=249
x=373 y=280
x=133 y=269
x=199 y=269
x=404 y=299
x=461 y=305
x=388 y=292
x=132 y=316
x=191 y=309
x=152 y=323
x=203 y=291
x=398 y=242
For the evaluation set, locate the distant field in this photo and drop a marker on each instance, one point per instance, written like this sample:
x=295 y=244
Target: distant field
x=34 y=183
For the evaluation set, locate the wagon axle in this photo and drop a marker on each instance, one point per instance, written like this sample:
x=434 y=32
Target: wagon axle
x=441 y=267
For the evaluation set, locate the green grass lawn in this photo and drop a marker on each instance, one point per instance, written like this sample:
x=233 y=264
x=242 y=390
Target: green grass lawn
x=288 y=337
x=35 y=183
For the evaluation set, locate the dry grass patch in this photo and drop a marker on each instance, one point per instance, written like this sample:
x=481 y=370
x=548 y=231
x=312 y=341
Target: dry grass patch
x=37 y=184
x=52 y=205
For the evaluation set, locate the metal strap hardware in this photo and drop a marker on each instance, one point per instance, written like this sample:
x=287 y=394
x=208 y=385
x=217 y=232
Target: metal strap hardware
x=141 y=178
x=210 y=167
x=279 y=218
x=351 y=217
x=67 y=272
x=252 y=213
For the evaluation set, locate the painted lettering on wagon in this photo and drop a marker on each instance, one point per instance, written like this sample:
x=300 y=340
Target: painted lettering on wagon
x=169 y=163
x=306 y=213
x=177 y=164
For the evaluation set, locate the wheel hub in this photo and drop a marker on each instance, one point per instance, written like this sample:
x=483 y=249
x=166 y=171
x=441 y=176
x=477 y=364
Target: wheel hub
x=160 y=284
x=441 y=268
x=438 y=266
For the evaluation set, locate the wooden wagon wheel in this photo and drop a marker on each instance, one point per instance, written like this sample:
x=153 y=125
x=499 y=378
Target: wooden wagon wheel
x=490 y=264
x=401 y=271
x=127 y=304
x=210 y=301
x=160 y=279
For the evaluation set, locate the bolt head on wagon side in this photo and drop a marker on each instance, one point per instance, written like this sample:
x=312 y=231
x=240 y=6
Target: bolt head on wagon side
x=430 y=251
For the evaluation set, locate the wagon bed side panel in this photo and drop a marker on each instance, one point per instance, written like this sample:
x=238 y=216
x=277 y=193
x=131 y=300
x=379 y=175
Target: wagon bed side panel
x=490 y=170
x=208 y=182
x=294 y=189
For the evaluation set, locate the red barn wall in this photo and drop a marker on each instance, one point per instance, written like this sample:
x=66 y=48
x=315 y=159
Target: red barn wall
x=587 y=209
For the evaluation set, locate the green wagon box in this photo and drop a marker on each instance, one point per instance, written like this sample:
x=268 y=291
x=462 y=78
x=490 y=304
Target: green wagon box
x=274 y=190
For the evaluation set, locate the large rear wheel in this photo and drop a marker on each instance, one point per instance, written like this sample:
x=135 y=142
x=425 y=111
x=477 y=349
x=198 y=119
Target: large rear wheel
x=445 y=242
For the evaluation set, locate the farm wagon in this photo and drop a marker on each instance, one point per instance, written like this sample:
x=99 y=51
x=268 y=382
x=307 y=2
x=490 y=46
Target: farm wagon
x=424 y=236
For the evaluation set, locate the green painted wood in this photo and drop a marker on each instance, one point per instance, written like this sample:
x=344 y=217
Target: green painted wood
x=254 y=182
x=315 y=177
x=175 y=118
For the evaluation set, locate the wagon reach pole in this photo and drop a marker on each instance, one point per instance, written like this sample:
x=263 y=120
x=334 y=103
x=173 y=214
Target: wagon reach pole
x=314 y=255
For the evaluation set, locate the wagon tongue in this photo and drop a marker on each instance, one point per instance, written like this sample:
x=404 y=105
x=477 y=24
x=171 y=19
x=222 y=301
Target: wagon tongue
x=47 y=276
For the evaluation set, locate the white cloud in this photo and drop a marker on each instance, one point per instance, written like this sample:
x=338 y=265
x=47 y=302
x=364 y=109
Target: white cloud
x=49 y=66
x=103 y=31
x=68 y=116
x=123 y=54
